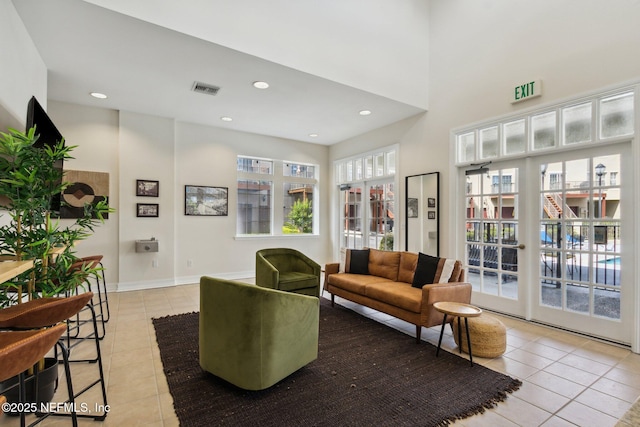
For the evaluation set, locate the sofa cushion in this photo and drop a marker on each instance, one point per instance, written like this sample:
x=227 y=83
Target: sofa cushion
x=357 y=261
x=408 y=262
x=432 y=269
x=384 y=264
x=398 y=294
x=355 y=283
x=448 y=270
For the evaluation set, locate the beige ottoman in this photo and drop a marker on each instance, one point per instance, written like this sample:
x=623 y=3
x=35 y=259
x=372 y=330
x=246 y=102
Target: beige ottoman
x=488 y=336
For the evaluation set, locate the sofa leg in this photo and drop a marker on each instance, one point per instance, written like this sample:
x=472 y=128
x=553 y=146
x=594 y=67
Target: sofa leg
x=418 y=333
x=332 y=300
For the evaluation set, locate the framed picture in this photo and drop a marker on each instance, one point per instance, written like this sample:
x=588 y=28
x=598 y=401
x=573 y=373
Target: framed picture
x=431 y=214
x=147 y=210
x=206 y=201
x=412 y=208
x=147 y=188
x=431 y=202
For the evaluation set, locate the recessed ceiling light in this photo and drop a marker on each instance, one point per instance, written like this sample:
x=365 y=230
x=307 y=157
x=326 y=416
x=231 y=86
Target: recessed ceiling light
x=313 y=135
x=260 y=85
x=98 y=95
x=365 y=112
x=226 y=119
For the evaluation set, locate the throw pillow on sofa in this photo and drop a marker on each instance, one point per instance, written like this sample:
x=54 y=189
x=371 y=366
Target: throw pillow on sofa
x=357 y=261
x=425 y=270
x=432 y=269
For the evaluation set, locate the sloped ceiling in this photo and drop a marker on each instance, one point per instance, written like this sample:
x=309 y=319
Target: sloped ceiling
x=147 y=68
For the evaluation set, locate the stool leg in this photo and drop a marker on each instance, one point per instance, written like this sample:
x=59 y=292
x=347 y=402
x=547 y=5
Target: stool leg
x=444 y=322
x=106 y=296
x=466 y=325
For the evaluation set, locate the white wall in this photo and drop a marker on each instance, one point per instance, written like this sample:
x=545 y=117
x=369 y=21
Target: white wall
x=207 y=156
x=478 y=51
x=376 y=45
x=146 y=151
x=22 y=73
x=95 y=133
x=132 y=146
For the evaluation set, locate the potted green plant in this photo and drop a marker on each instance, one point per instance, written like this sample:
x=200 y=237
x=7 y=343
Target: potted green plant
x=29 y=181
x=30 y=178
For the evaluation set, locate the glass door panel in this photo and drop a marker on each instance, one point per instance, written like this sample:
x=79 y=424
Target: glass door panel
x=581 y=226
x=492 y=234
x=351 y=234
x=381 y=216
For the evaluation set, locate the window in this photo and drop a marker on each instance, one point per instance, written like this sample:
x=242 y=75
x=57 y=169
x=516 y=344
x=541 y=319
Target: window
x=257 y=182
x=603 y=118
x=367 y=200
x=299 y=188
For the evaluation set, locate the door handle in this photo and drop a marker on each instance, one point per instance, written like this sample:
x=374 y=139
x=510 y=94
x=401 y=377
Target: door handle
x=520 y=246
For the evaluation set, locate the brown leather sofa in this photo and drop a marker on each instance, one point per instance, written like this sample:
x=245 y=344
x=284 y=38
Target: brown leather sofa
x=387 y=281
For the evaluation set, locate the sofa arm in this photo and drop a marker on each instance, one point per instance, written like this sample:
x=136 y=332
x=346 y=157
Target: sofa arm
x=330 y=269
x=451 y=292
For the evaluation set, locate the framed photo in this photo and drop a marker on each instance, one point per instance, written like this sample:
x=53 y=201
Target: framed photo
x=431 y=214
x=147 y=210
x=412 y=208
x=206 y=201
x=431 y=202
x=147 y=188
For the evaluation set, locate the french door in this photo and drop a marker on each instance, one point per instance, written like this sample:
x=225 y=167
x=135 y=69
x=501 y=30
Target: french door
x=494 y=238
x=544 y=240
x=584 y=220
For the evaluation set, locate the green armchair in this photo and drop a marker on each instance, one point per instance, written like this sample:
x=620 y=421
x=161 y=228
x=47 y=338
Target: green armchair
x=288 y=270
x=254 y=337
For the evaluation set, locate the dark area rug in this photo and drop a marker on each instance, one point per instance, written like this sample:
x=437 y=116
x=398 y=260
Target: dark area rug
x=366 y=374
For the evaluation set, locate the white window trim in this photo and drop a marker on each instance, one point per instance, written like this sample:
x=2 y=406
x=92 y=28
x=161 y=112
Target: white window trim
x=278 y=180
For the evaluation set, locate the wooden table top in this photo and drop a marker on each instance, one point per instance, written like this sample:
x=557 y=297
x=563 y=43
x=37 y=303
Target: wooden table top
x=457 y=309
x=10 y=269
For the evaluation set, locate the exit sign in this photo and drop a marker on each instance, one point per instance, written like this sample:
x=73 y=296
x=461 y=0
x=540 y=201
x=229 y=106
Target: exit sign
x=525 y=91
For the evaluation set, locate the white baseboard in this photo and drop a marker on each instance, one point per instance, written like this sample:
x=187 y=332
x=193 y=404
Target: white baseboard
x=184 y=280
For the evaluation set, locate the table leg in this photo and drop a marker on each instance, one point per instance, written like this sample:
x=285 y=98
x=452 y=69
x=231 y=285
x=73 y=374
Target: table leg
x=444 y=322
x=466 y=324
x=460 y=334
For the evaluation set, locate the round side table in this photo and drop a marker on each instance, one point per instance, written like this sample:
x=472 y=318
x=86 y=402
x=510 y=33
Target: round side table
x=457 y=309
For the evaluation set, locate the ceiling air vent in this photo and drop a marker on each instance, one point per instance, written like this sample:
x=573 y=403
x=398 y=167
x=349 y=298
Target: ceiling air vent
x=205 y=88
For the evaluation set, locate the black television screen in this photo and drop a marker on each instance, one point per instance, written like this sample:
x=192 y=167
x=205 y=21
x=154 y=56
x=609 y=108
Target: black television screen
x=48 y=135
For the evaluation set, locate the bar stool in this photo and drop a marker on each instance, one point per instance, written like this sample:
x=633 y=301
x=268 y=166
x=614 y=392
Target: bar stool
x=21 y=350
x=42 y=312
x=100 y=280
x=79 y=267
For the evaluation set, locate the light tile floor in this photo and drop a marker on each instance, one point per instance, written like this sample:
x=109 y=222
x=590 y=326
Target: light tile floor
x=567 y=379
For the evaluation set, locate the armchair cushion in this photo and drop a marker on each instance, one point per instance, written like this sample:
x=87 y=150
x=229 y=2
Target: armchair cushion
x=287 y=270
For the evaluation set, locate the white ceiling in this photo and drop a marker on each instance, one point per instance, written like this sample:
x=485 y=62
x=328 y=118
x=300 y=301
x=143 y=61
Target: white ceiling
x=150 y=69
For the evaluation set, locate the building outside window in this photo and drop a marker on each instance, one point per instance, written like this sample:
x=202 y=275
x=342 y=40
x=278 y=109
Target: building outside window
x=257 y=182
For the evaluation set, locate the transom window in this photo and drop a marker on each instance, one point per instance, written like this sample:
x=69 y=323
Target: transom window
x=566 y=125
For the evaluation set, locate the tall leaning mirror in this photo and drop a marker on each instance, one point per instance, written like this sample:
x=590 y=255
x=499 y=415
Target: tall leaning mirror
x=422 y=218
